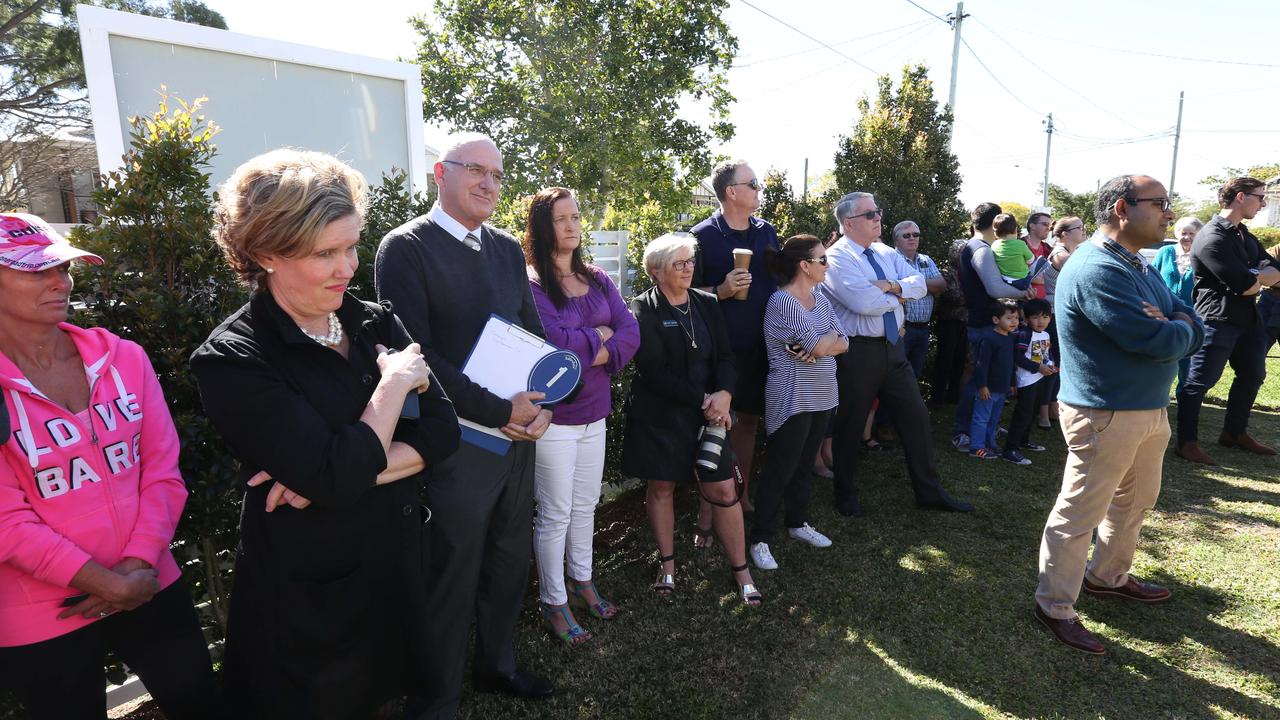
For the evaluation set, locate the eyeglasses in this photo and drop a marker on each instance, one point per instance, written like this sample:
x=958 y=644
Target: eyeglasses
x=682 y=264
x=477 y=172
x=868 y=215
x=907 y=235
x=1073 y=228
x=821 y=260
x=1164 y=202
x=753 y=183
x=1261 y=198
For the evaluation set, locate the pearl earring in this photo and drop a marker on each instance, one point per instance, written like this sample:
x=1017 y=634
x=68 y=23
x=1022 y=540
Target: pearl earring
x=270 y=270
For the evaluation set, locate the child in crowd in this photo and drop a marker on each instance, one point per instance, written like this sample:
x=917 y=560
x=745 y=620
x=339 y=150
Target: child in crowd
x=1031 y=345
x=1018 y=265
x=993 y=373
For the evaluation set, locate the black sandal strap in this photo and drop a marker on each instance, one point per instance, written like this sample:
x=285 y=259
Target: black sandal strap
x=739 y=568
x=672 y=556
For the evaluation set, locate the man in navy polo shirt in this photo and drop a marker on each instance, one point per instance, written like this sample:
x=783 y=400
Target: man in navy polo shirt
x=731 y=227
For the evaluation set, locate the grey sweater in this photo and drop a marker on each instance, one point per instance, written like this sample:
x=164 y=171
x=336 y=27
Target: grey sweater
x=444 y=292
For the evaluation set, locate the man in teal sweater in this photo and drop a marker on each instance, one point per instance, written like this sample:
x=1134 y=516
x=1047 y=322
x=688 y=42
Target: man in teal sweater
x=1122 y=335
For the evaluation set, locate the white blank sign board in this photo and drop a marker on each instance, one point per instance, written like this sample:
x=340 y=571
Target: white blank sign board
x=263 y=94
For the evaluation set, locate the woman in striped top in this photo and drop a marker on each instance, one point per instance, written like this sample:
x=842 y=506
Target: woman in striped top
x=802 y=338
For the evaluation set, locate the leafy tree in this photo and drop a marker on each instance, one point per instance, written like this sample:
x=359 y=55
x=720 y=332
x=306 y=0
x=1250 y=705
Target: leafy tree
x=1064 y=203
x=898 y=150
x=584 y=94
x=390 y=205
x=42 y=87
x=1017 y=210
x=164 y=285
x=1261 y=172
x=791 y=215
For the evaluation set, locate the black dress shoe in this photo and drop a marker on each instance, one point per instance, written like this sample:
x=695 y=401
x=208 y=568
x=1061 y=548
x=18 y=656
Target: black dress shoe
x=849 y=507
x=946 y=503
x=520 y=684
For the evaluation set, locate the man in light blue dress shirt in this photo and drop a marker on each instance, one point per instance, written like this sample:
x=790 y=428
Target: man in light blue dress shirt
x=867 y=283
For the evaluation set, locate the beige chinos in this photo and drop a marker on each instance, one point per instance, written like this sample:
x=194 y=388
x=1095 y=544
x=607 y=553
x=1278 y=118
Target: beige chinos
x=1111 y=480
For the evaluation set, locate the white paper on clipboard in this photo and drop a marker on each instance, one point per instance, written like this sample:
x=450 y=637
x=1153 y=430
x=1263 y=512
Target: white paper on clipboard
x=507 y=359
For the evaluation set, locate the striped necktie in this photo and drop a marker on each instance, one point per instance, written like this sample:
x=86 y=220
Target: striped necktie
x=890 y=319
x=472 y=241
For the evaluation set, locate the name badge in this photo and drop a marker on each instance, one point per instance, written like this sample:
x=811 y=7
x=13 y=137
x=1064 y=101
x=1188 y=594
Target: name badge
x=670 y=323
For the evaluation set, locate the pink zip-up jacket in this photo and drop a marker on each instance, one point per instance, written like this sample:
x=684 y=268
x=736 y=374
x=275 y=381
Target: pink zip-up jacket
x=102 y=485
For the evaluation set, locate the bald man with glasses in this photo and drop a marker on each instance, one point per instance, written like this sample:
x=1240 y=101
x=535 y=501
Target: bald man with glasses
x=867 y=283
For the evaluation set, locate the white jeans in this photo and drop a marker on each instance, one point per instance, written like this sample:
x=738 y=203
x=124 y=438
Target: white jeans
x=566 y=478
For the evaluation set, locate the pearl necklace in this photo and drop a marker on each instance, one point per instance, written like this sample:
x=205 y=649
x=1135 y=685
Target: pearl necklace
x=334 y=338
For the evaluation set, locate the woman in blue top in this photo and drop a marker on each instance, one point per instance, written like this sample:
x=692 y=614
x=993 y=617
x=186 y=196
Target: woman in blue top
x=802 y=339
x=1173 y=262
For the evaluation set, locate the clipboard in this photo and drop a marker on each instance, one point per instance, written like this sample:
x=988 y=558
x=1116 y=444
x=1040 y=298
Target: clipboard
x=507 y=359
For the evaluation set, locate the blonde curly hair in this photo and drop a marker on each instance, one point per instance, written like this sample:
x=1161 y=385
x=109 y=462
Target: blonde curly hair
x=278 y=203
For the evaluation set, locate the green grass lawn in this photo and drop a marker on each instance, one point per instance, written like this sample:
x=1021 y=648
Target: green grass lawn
x=914 y=614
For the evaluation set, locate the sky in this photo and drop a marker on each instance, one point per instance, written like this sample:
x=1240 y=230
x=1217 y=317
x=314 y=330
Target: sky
x=1109 y=72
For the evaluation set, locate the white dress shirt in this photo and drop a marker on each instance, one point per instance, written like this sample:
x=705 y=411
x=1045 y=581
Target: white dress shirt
x=445 y=222
x=859 y=305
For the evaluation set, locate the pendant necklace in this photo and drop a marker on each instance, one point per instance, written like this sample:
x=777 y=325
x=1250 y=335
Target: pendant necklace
x=691 y=333
x=334 y=338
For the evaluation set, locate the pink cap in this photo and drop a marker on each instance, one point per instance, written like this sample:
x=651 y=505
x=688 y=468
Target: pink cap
x=29 y=244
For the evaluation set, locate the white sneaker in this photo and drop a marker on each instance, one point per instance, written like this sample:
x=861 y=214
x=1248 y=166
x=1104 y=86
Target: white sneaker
x=805 y=533
x=762 y=558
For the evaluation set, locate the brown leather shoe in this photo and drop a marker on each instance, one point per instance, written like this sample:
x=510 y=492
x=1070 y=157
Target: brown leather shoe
x=1244 y=441
x=1071 y=633
x=1132 y=589
x=1193 y=452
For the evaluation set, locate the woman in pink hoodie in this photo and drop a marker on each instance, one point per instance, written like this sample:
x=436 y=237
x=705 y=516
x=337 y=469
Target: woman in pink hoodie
x=90 y=495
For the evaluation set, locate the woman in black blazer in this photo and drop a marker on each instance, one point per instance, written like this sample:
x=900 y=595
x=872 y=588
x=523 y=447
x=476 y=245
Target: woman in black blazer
x=329 y=577
x=683 y=382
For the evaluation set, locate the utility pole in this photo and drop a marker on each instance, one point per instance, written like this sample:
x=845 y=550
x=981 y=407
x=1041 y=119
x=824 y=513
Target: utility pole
x=804 y=196
x=1177 y=135
x=1048 y=128
x=955 y=21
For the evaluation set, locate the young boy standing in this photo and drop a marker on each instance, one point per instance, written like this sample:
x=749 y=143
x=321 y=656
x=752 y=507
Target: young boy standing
x=993 y=375
x=1031 y=345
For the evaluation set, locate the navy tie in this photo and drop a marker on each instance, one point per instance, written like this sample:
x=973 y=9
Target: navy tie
x=890 y=319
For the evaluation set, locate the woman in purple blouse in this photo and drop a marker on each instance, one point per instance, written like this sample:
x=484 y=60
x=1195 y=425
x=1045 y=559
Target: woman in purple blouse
x=583 y=312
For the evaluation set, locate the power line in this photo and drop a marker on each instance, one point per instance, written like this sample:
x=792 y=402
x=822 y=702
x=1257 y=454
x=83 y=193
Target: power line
x=1120 y=141
x=1012 y=94
x=786 y=24
x=1051 y=76
x=929 y=11
x=1165 y=56
x=1247 y=132
x=925 y=25
x=916 y=24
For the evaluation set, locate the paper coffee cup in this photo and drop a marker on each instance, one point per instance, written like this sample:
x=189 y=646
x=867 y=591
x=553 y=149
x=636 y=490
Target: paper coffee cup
x=741 y=261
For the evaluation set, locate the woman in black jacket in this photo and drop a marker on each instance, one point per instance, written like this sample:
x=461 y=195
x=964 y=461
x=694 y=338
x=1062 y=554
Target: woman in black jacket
x=683 y=383
x=333 y=432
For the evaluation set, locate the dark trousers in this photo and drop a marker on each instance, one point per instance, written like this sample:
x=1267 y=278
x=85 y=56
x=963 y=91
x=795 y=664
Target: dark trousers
x=1024 y=412
x=1246 y=350
x=964 y=411
x=63 y=678
x=948 y=365
x=787 y=480
x=874 y=368
x=478 y=566
x=916 y=346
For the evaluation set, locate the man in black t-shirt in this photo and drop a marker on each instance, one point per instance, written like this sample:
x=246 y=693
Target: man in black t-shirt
x=1231 y=268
